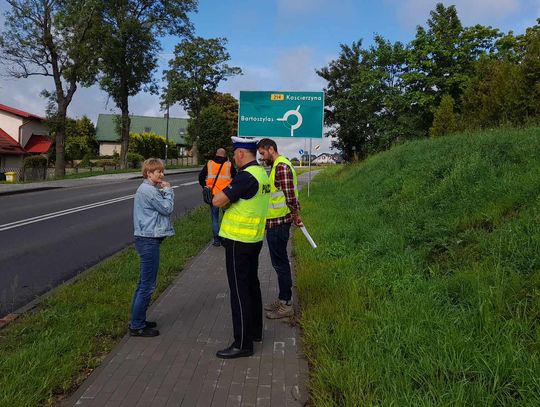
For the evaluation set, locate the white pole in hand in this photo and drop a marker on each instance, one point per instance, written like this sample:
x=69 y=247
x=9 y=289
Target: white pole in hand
x=308 y=237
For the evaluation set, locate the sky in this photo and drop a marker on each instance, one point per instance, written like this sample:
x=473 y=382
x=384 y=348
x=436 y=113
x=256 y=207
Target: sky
x=279 y=45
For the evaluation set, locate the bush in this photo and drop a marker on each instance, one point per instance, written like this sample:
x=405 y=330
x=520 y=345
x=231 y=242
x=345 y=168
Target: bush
x=35 y=161
x=150 y=145
x=85 y=162
x=106 y=163
x=135 y=159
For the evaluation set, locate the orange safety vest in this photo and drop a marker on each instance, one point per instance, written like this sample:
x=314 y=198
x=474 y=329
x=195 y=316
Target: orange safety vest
x=223 y=179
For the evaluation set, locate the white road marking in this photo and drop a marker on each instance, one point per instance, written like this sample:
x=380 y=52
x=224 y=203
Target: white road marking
x=52 y=215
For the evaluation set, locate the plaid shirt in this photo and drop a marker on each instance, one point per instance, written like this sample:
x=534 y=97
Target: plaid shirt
x=284 y=182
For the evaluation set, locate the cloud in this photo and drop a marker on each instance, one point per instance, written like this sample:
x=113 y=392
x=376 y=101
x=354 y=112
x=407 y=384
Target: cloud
x=296 y=69
x=290 y=69
x=24 y=94
x=416 y=12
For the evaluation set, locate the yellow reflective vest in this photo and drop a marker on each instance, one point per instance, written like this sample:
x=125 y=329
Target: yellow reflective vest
x=245 y=220
x=277 y=207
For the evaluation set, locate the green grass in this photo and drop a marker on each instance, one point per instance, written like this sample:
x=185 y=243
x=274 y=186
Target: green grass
x=425 y=288
x=48 y=353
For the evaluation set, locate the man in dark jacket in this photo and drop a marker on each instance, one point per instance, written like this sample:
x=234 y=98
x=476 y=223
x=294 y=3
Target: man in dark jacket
x=217 y=174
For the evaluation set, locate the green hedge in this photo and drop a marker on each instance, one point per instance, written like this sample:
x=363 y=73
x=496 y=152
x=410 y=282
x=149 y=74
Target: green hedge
x=35 y=161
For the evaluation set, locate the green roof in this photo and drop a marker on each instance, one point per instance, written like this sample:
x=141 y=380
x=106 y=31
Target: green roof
x=106 y=127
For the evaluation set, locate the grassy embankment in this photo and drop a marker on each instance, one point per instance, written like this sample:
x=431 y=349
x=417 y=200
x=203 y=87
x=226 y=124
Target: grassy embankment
x=425 y=288
x=49 y=352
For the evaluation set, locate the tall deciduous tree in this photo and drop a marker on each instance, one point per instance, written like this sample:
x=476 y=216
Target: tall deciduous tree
x=442 y=59
x=212 y=130
x=339 y=116
x=198 y=67
x=132 y=29
x=57 y=39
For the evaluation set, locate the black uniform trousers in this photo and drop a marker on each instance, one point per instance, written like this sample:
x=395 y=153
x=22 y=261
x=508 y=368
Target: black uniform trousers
x=242 y=261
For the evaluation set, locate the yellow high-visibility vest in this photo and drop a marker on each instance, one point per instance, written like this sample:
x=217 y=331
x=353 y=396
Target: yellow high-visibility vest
x=245 y=220
x=277 y=206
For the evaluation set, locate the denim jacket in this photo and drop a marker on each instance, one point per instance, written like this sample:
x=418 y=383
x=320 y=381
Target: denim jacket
x=152 y=209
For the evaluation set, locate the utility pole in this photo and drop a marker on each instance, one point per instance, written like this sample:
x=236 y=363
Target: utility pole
x=167 y=134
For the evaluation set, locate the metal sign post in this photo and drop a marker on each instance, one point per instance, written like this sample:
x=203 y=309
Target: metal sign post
x=309 y=179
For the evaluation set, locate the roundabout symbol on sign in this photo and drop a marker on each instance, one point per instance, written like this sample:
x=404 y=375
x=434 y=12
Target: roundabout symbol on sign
x=292 y=113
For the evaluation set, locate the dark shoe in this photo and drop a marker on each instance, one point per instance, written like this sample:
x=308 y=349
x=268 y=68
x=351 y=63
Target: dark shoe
x=216 y=243
x=150 y=324
x=257 y=338
x=144 y=332
x=231 y=353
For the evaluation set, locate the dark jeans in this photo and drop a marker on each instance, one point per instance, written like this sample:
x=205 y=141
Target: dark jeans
x=148 y=249
x=277 y=238
x=242 y=261
x=214 y=213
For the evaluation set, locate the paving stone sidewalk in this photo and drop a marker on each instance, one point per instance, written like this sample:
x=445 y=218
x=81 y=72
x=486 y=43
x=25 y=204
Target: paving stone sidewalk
x=179 y=368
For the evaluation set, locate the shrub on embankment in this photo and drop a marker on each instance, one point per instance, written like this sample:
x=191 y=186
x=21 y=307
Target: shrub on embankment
x=425 y=288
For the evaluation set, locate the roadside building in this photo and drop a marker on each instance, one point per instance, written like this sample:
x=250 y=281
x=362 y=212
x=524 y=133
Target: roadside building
x=108 y=138
x=21 y=133
x=327 y=158
x=304 y=158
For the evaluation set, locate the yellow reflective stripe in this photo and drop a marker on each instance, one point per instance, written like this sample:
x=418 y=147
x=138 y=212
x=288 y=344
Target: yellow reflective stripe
x=277 y=205
x=239 y=231
x=245 y=219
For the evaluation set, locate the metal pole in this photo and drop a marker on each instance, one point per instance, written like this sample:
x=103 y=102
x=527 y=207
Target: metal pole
x=167 y=135
x=309 y=179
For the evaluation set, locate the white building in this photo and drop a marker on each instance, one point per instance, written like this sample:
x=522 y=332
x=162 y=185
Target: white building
x=325 y=158
x=21 y=133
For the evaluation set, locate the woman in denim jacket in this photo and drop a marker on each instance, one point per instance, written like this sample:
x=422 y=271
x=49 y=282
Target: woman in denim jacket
x=152 y=209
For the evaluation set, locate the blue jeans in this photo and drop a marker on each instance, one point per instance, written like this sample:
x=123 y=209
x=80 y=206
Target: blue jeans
x=214 y=213
x=277 y=238
x=148 y=249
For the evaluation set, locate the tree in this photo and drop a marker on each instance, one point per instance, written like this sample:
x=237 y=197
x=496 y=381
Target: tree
x=213 y=130
x=131 y=33
x=229 y=106
x=339 y=116
x=444 y=118
x=57 y=39
x=441 y=61
x=198 y=67
x=80 y=139
x=361 y=96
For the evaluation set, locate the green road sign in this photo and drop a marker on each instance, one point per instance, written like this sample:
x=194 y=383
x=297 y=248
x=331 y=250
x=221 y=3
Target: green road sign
x=281 y=114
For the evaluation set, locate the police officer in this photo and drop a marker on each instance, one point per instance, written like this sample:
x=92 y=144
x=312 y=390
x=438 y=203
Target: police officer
x=242 y=233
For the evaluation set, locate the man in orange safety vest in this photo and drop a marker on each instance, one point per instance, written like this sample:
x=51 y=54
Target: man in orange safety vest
x=217 y=174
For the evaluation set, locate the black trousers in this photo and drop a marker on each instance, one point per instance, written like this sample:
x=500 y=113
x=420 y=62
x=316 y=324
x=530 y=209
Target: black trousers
x=242 y=261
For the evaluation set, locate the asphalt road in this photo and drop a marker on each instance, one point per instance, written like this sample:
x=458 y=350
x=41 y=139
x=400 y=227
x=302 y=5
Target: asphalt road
x=49 y=236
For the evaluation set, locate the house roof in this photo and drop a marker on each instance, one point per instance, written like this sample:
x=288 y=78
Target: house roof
x=20 y=113
x=38 y=144
x=8 y=146
x=106 y=127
